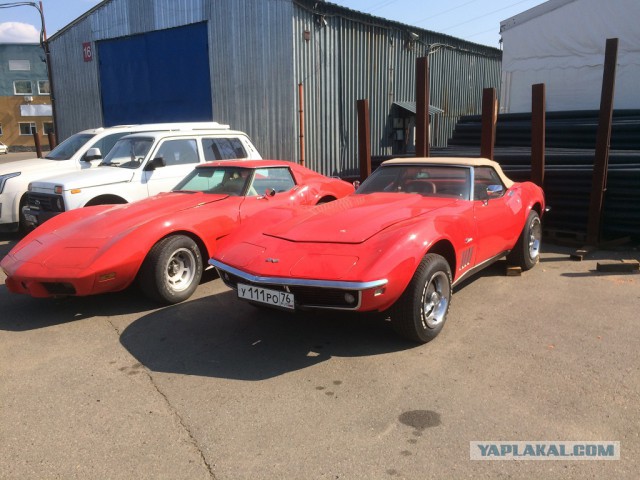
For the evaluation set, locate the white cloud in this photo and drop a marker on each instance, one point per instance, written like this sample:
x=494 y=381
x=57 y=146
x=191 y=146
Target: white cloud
x=16 y=32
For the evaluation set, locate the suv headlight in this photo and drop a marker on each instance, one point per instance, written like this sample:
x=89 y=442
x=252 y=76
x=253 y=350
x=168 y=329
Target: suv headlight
x=4 y=178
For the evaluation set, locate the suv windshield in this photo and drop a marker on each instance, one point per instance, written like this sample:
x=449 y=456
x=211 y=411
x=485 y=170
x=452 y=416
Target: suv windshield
x=128 y=153
x=70 y=146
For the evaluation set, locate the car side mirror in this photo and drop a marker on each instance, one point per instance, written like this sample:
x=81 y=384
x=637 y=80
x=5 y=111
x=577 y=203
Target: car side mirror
x=157 y=162
x=495 y=191
x=92 y=154
x=270 y=192
x=356 y=184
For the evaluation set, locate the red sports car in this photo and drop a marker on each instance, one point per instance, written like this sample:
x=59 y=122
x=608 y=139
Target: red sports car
x=413 y=229
x=165 y=240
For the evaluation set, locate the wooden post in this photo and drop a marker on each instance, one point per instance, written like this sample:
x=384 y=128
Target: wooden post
x=422 y=107
x=36 y=140
x=364 y=139
x=489 y=120
x=603 y=138
x=52 y=140
x=538 y=125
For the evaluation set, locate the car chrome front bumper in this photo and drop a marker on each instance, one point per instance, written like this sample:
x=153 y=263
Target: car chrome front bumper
x=310 y=293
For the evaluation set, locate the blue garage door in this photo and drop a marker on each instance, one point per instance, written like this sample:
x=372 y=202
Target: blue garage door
x=161 y=76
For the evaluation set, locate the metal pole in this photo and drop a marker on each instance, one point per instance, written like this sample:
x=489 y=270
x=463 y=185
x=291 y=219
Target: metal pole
x=364 y=139
x=422 y=107
x=603 y=138
x=301 y=122
x=538 y=125
x=44 y=43
x=489 y=120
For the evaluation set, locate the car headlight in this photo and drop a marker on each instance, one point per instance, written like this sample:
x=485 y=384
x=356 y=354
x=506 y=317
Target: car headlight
x=4 y=178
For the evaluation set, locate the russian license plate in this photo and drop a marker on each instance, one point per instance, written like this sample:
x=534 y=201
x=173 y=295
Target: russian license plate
x=267 y=296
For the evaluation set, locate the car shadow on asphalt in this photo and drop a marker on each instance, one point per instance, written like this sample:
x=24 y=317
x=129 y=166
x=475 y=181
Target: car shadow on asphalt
x=219 y=336
x=23 y=313
x=11 y=240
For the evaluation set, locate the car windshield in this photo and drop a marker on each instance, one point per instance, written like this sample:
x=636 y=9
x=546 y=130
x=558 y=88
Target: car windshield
x=70 y=146
x=128 y=152
x=224 y=180
x=427 y=180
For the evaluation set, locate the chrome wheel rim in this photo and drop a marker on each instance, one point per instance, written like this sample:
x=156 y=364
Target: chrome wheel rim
x=435 y=300
x=181 y=269
x=535 y=235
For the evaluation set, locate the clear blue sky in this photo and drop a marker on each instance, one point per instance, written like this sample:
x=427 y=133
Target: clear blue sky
x=474 y=20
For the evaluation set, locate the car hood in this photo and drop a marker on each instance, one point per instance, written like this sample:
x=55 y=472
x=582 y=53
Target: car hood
x=356 y=218
x=86 y=178
x=103 y=224
x=40 y=165
x=116 y=219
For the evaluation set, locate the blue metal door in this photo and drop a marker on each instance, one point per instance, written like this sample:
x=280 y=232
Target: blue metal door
x=160 y=76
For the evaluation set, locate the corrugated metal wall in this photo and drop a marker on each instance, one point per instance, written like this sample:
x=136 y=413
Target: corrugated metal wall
x=252 y=71
x=342 y=56
x=76 y=82
x=250 y=58
x=260 y=51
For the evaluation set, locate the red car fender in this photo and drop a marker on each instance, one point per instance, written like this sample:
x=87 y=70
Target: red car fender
x=129 y=249
x=411 y=242
x=535 y=196
x=532 y=197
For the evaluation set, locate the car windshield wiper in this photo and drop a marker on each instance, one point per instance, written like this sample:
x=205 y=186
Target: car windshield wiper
x=110 y=164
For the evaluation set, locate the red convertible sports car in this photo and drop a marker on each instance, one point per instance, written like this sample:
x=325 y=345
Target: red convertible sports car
x=163 y=241
x=413 y=229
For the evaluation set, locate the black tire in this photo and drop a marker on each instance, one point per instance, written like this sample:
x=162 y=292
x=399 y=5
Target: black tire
x=526 y=251
x=23 y=228
x=172 y=270
x=420 y=313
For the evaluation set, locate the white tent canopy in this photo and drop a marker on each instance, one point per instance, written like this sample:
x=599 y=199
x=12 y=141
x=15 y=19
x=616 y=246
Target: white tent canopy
x=561 y=43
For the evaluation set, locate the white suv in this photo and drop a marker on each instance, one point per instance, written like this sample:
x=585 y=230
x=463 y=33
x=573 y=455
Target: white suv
x=78 y=152
x=138 y=166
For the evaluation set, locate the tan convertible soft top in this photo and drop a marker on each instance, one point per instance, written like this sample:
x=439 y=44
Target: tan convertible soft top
x=463 y=161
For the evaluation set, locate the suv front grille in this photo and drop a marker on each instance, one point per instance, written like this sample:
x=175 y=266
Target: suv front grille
x=45 y=202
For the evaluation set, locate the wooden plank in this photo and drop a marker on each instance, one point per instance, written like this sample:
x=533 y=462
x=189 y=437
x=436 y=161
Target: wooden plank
x=538 y=126
x=603 y=139
x=364 y=139
x=422 y=107
x=489 y=120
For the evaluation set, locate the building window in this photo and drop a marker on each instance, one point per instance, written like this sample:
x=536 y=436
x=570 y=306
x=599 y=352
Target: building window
x=43 y=87
x=0 y=129
x=27 y=128
x=20 y=65
x=47 y=127
x=22 y=87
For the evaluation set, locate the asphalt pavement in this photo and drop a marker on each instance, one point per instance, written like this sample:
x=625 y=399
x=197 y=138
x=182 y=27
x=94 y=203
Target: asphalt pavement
x=117 y=387
x=13 y=156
